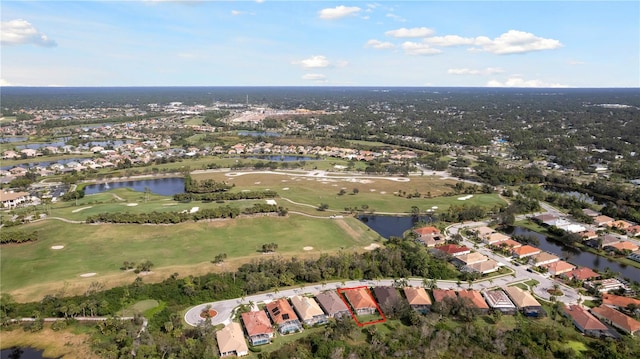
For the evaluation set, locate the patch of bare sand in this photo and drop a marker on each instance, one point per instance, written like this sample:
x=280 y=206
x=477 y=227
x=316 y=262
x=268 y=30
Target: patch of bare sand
x=80 y=209
x=307 y=248
x=372 y=246
x=57 y=247
x=85 y=275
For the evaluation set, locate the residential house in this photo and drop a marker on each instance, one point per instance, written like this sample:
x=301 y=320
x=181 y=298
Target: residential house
x=418 y=299
x=231 y=341
x=10 y=155
x=525 y=302
x=332 y=304
x=617 y=319
x=618 y=301
x=635 y=256
x=439 y=295
x=29 y=152
x=308 y=310
x=388 y=298
x=471 y=258
x=475 y=300
x=361 y=301
x=588 y=235
x=283 y=315
x=585 y=321
x=258 y=327
x=488 y=266
x=589 y=212
x=509 y=244
x=499 y=301
x=429 y=236
x=581 y=274
x=559 y=267
x=547 y=219
x=495 y=237
x=452 y=250
x=13 y=199
x=543 y=258
x=525 y=251
x=605 y=285
x=483 y=231
x=18 y=171
x=602 y=220
x=623 y=247
x=633 y=231
x=620 y=224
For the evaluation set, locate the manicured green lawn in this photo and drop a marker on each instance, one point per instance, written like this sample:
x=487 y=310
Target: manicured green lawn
x=103 y=248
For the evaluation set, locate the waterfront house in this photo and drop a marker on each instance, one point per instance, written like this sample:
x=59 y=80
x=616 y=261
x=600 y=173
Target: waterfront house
x=332 y=304
x=418 y=299
x=545 y=258
x=283 y=316
x=308 y=310
x=558 y=267
x=581 y=274
x=258 y=327
x=231 y=341
x=525 y=251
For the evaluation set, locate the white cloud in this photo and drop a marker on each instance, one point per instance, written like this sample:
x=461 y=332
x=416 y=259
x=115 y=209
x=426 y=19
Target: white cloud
x=377 y=44
x=314 y=77
x=413 y=32
x=4 y=82
x=516 y=42
x=416 y=48
x=396 y=17
x=338 y=12
x=450 y=40
x=317 y=61
x=467 y=71
x=19 y=31
x=520 y=82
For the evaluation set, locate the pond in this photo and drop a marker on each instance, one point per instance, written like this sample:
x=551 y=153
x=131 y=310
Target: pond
x=37 y=146
x=161 y=186
x=259 y=133
x=12 y=139
x=22 y=353
x=573 y=194
x=388 y=226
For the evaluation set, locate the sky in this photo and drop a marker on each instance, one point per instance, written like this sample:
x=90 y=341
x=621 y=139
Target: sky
x=320 y=43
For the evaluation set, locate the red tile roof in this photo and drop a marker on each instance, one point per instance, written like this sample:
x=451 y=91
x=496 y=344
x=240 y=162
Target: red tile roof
x=616 y=318
x=526 y=250
x=618 y=301
x=475 y=297
x=256 y=323
x=583 y=273
x=583 y=318
x=453 y=249
x=360 y=298
x=439 y=295
x=281 y=311
x=426 y=230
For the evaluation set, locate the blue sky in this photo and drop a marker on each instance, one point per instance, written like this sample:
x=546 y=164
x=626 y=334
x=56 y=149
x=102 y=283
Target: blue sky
x=320 y=43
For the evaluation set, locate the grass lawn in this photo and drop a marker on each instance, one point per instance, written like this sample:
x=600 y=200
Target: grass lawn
x=31 y=270
x=280 y=340
x=142 y=306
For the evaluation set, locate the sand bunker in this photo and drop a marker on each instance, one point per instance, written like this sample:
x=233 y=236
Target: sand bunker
x=257 y=182
x=383 y=192
x=285 y=189
x=372 y=246
x=132 y=204
x=57 y=247
x=464 y=198
x=307 y=248
x=80 y=209
x=88 y=274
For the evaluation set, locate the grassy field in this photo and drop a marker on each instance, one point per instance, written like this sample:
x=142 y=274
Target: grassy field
x=376 y=193
x=34 y=269
x=56 y=344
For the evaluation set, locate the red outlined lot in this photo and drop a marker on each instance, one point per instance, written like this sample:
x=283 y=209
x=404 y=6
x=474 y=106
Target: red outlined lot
x=353 y=315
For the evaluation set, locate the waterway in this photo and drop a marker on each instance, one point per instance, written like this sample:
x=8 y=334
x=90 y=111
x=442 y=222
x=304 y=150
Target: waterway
x=388 y=226
x=12 y=139
x=21 y=353
x=161 y=186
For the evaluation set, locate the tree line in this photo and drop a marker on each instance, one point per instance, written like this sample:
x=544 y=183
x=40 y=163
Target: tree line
x=224 y=196
x=17 y=236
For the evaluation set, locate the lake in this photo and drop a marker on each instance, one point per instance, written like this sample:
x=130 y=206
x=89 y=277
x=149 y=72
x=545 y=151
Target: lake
x=161 y=186
x=388 y=226
x=12 y=139
x=22 y=353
